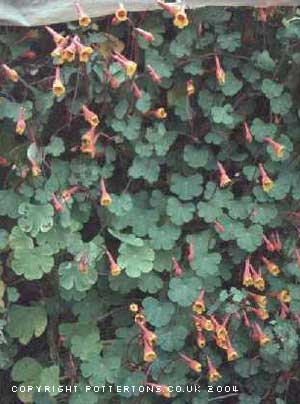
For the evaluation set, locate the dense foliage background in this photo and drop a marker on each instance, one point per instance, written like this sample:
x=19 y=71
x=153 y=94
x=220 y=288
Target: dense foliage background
x=177 y=204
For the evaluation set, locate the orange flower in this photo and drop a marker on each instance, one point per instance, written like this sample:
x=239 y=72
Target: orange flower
x=224 y=179
x=190 y=252
x=220 y=329
x=199 y=305
x=275 y=238
x=105 y=197
x=220 y=73
x=35 y=168
x=201 y=341
x=90 y=116
x=83 y=18
x=277 y=147
x=10 y=73
x=137 y=93
x=121 y=13
x=258 y=280
x=68 y=193
x=271 y=266
x=133 y=307
x=269 y=245
x=148 y=36
x=153 y=74
x=260 y=300
x=259 y=335
x=180 y=19
x=58 y=88
x=213 y=374
x=57 y=38
x=260 y=313
x=58 y=206
x=266 y=181
x=88 y=142
x=21 y=124
x=115 y=270
x=128 y=65
x=190 y=88
x=232 y=355
x=248 y=134
x=191 y=363
x=203 y=322
x=284 y=296
x=247 y=276
x=85 y=52
x=159 y=113
x=139 y=318
x=69 y=53
x=150 y=336
x=149 y=353
x=176 y=267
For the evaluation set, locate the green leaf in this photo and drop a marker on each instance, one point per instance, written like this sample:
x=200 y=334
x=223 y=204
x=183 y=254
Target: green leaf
x=50 y=377
x=186 y=187
x=144 y=168
x=71 y=277
x=26 y=369
x=194 y=157
x=35 y=218
x=222 y=114
x=232 y=85
x=3 y=239
x=158 y=313
x=230 y=42
x=100 y=370
x=264 y=61
x=171 y=338
x=180 y=212
x=143 y=104
x=26 y=322
x=164 y=237
x=249 y=239
x=184 y=290
x=271 y=89
x=121 y=204
x=56 y=147
x=282 y=105
x=9 y=203
x=135 y=260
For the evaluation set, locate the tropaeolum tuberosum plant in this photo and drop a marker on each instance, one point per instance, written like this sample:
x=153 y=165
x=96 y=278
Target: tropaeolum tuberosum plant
x=149 y=205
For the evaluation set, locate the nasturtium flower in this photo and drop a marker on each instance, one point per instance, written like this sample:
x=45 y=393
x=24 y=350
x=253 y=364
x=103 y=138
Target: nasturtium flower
x=21 y=124
x=90 y=116
x=266 y=182
x=10 y=73
x=83 y=19
x=121 y=13
x=106 y=199
x=58 y=88
x=213 y=374
x=180 y=19
x=191 y=363
x=272 y=268
x=277 y=147
x=148 y=36
x=224 y=179
x=220 y=73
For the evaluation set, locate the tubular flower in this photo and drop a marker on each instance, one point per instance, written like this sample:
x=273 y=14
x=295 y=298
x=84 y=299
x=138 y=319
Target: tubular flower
x=69 y=53
x=248 y=134
x=266 y=181
x=190 y=88
x=133 y=307
x=247 y=275
x=176 y=267
x=58 y=206
x=272 y=268
x=161 y=389
x=284 y=310
x=150 y=336
x=269 y=245
x=277 y=147
x=88 y=142
x=105 y=197
x=224 y=179
x=84 y=265
x=35 y=168
x=275 y=238
x=58 y=88
x=115 y=270
x=297 y=256
x=203 y=322
x=232 y=355
x=90 y=116
x=220 y=329
x=284 y=296
x=153 y=74
x=21 y=124
x=57 y=38
x=219 y=227
x=260 y=300
x=121 y=13
x=213 y=374
x=258 y=280
x=85 y=52
x=149 y=353
x=159 y=113
x=220 y=73
x=139 y=318
x=148 y=36
x=83 y=18
x=137 y=93
x=180 y=19
x=129 y=66
x=170 y=8
x=10 y=73
x=190 y=252
x=191 y=363
x=259 y=335
x=68 y=193
x=246 y=320
x=260 y=313
x=201 y=341
x=199 y=305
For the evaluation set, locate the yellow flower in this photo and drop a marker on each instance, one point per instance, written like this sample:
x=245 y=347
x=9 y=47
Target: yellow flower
x=121 y=13
x=105 y=200
x=83 y=18
x=11 y=74
x=264 y=339
x=131 y=68
x=134 y=308
x=180 y=19
x=85 y=53
x=267 y=184
x=284 y=296
x=58 y=88
x=115 y=270
x=259 y=283
x=160 y=113
x=214 y=376
x=36 y=169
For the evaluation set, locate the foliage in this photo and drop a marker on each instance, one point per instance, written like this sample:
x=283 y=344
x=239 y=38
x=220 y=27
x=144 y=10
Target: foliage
x=143 y=214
